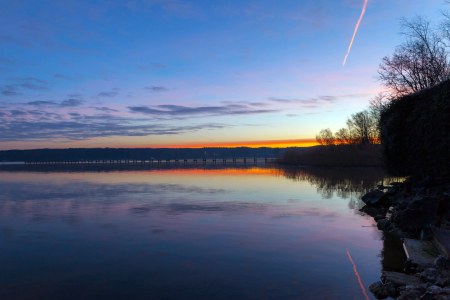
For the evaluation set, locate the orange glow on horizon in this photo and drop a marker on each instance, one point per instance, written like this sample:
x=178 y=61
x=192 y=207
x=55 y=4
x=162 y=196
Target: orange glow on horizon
x=357 y=275
x=252 y=144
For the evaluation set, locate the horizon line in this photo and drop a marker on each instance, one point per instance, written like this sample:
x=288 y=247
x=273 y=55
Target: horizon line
x=197 y=145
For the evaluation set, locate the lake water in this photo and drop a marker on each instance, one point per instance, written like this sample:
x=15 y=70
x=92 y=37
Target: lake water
x=113 y=232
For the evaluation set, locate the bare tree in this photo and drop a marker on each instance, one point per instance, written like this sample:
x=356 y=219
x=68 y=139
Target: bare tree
x=325 y=137
x=364 y=127
x=343 y=136
x=420 y=62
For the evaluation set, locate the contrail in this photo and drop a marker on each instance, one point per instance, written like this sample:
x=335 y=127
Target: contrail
x=356 y=29
x=359 y=279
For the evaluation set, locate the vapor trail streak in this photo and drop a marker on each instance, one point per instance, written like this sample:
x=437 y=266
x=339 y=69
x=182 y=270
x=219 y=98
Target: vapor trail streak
x=357 y=275
x=356 y=29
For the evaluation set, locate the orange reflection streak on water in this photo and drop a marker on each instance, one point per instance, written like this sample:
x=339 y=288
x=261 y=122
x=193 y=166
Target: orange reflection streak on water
x=221 y=172
x=357 y=275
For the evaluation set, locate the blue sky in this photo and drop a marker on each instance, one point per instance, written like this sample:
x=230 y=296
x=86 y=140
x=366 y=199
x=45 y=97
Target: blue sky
x=152 y=73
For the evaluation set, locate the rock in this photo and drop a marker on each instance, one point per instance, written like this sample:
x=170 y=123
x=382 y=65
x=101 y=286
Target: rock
x=434 y=289
x=439 y=295
x=426 y=234
x=413 y=293
x=390 y=286
x=379 y=290
x=426 y=183
x=378 y=217
x=383 y=223
x=401 y=279
x=371 y=211
x=429 y=275
x=409 y=286
x=397 y=232
x=442 y=281
x=375 y=198
x=442 y=262
x=420 y=213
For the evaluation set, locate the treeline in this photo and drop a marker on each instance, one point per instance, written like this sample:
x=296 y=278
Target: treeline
x=407 y=128
x=137 y=153
x=356 y=145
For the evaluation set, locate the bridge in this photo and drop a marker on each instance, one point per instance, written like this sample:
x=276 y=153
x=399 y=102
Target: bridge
x=148 y=161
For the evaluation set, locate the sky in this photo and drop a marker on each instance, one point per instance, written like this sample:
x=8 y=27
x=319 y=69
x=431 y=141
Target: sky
x=198 y=73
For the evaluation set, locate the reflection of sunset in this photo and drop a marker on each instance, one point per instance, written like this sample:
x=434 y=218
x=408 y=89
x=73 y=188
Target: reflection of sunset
x=214 y=216
x=357 y=275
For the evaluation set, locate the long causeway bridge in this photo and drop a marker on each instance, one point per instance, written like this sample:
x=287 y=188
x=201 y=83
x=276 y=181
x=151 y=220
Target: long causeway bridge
x=144 y=161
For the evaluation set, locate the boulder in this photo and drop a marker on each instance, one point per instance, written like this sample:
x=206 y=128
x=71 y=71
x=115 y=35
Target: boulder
x=420 y=213
x=379 y=290
x=434 y=289
x=412 y=293
x=442 y=263
x=371 y=211
x=397 y=232
x=401 y=279
x=375 y=198
x=383 y=224
x=378 y=217
x=435 y=295
x=429 y=275
x=390 y=286
x=426 y=183
x=442 y=281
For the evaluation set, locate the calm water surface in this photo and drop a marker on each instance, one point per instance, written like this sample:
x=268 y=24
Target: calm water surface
x=82 y=232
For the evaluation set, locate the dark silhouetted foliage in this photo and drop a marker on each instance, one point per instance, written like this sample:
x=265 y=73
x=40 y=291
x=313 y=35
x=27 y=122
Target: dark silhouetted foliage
x=415 y=133
x=345 y=155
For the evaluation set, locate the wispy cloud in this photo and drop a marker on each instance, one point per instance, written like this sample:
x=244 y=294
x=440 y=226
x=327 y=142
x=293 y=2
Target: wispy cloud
x=308 y=102
x=32 y=86
x=178 y=110
x=71 y=103
x=64 y=103
x=156 y=88
x=82 y=128
x=108 y=94
x=10 y=90
x=105 y=109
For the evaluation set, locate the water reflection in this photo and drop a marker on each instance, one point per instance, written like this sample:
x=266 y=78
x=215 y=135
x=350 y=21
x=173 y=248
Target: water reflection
x=344 y=183
x=115 y=232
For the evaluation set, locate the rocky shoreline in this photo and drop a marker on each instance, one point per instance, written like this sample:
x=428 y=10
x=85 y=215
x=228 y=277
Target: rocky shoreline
x=413 y=211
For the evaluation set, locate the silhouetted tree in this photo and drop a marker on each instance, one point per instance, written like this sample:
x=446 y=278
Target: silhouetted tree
x=421 y=61
x=325 y=137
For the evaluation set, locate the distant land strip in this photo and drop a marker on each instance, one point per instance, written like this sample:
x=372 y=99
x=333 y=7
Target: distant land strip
x=139 y=153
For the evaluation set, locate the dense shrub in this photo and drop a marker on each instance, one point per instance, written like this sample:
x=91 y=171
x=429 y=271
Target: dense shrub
x=415 y=133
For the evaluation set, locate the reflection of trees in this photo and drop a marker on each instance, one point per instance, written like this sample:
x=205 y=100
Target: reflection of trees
x=392 y=255
x=344 y=183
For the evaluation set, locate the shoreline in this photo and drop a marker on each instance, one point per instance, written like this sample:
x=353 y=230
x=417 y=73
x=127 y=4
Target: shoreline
x=417 y=212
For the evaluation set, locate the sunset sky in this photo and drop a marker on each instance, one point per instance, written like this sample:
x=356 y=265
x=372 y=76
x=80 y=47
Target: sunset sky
x=179 y=73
